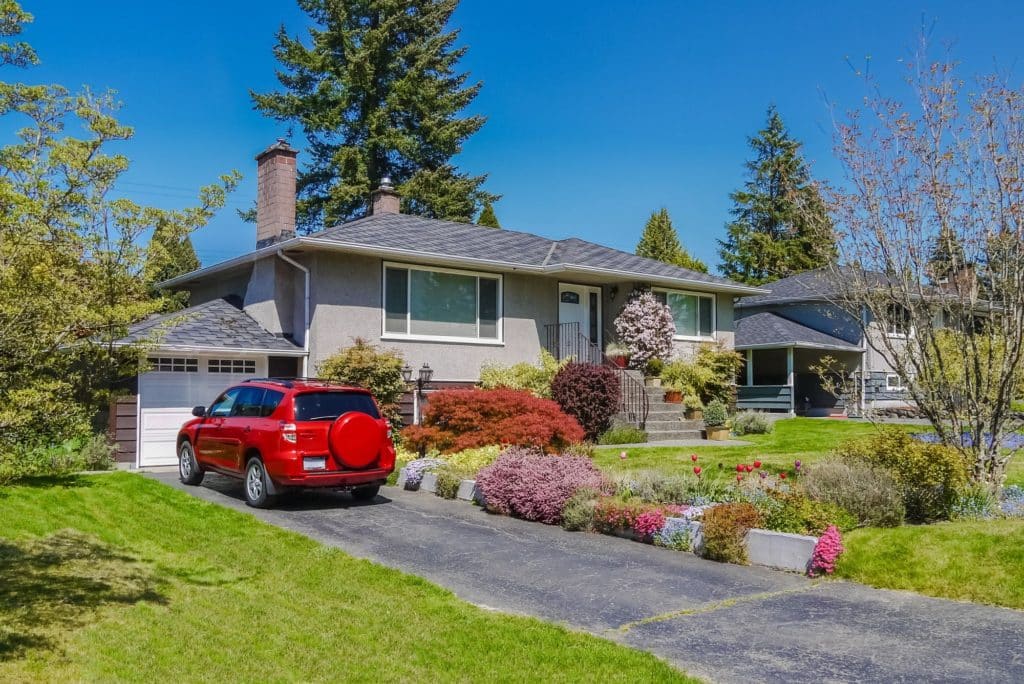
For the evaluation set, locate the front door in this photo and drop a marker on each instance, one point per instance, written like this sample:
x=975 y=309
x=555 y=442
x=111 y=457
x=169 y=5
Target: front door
x=579 y=318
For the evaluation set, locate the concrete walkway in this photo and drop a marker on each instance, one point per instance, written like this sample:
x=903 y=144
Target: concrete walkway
x=722 y=622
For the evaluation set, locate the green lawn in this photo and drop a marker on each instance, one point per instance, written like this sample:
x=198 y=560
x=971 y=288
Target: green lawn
x=806 y=439
x=119 y=578
x=973 y=561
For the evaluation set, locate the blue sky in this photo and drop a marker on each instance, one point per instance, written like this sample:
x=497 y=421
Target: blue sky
x=599 y=111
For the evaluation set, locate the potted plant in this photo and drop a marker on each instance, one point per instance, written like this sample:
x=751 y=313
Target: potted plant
x=673 y=394
x=618 y=354
x=716 y=421
x=693 y=406
x=653 y=372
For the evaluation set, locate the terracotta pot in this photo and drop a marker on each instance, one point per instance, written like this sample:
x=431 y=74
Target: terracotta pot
x=673 y=396
x=717 y=434
x=694 y=414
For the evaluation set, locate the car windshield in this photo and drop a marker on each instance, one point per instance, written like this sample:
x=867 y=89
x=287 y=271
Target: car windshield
x=330 y=405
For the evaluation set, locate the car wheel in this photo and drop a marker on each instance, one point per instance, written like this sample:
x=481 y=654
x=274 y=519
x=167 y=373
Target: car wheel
x=365 y=493
x=257 y=485
x=189 y=471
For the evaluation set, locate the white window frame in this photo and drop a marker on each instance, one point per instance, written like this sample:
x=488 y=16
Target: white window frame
x=487 y=341
x=221 y=366
x=155 y=365
x=892 y=332
x=714 y=313
x=901 y=387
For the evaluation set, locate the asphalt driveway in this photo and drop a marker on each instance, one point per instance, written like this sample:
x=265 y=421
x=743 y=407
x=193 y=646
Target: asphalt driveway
x=721 y=622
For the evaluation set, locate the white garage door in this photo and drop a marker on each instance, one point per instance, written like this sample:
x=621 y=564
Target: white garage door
x=176 y=384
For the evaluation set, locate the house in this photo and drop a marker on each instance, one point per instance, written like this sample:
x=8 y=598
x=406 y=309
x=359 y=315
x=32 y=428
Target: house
x=787 y=332
x=451 y=295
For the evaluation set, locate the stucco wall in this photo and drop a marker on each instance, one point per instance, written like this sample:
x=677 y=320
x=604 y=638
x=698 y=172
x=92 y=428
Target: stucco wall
x=346 y=297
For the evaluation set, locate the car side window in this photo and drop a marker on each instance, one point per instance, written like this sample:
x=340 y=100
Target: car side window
x=221 y=408
x=249 y=403
x=271 y=400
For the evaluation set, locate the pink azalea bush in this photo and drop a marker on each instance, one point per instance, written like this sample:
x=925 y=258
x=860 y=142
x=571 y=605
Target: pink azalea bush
x=531 y=485
x=648 y=523
x=646 y=328
x=826 y=552
x=645 y=519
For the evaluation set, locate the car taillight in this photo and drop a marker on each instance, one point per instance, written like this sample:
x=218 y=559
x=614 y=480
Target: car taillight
x=387 y=457
x=288 y=432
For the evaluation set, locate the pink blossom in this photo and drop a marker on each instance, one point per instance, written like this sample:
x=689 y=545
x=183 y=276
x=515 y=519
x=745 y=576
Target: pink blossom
x=826 y=552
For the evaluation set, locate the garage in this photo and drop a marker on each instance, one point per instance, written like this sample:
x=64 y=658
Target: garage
x=192 y=356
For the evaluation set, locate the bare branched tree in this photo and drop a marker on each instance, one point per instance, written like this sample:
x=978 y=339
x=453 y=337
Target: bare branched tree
x=931 y=255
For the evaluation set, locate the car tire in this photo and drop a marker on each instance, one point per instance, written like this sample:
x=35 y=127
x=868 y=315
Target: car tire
x=257 y=485
x=365 y=493
x=189 y=471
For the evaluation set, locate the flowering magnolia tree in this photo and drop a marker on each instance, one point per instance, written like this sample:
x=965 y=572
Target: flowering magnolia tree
x=646 y=328
x=930 y=224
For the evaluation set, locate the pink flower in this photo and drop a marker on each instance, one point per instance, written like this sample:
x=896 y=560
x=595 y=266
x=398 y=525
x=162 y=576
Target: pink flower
x=696 y=470
x=757 y=464
x=826 y=552
x=693 y=457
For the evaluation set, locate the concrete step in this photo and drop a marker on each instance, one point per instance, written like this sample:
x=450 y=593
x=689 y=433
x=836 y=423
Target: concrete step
x=666 y=435
x=664 y=414
x=672 y=425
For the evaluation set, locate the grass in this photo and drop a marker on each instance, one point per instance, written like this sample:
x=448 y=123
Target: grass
x=973 y=561
x=119 y=578
x=805 y=439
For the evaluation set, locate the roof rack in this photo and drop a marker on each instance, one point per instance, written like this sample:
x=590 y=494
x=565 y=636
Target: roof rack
x=289 y=381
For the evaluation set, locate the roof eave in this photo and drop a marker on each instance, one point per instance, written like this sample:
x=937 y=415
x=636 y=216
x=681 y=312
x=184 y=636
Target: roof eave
x=234 y=262
x=800 y=345
x=205 y=349
x=733 y=288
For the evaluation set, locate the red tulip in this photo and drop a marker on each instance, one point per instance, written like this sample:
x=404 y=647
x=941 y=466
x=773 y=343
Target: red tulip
x=757 y=464
x=782 y=476
x=696 y=470
x=740 y=467
x=750 y=468
x=739 y=478
x=693 y=457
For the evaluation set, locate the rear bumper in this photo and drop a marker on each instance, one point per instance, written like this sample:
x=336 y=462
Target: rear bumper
x=333 y=479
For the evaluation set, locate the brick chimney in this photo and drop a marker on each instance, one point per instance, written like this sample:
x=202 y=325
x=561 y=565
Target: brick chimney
x=385 y=199
x=275 y=194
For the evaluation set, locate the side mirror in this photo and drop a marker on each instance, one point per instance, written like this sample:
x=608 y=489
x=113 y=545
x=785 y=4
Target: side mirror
x=199 y=411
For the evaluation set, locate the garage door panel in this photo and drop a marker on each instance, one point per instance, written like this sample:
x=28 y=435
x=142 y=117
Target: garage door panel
x=160 y=431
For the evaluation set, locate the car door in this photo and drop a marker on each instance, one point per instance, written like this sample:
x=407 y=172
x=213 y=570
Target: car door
x=209 y=444
x=237 y=432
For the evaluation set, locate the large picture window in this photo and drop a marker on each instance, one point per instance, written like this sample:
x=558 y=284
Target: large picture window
x=441 y=303
x=694 y=314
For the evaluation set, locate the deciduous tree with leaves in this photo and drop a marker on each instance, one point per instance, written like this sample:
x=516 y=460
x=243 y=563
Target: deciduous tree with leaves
x=72 y=259
x=661 y=241
x=780 y=224
x=377 y=92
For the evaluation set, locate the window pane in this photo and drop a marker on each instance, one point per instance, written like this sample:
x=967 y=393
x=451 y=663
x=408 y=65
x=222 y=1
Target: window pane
x=489 y=308
x=329 y=405
x=222 y=406
x=595 y=310
x=270 y=402
x=684 y=312
x=396 y=304
x=443 y=304
x=249 y=402
x=707 y=310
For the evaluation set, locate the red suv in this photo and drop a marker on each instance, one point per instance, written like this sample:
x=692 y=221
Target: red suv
x=278 y=434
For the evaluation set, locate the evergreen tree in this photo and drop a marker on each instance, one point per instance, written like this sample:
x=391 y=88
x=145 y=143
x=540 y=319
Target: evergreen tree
x=660 y=241
x=487 y=216
x=947 y=255
x=170 y=254
x=780 y=226
x=377 y=92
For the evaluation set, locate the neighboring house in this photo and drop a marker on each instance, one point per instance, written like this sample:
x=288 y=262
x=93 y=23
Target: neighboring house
x=454 y=296
x=787 y=332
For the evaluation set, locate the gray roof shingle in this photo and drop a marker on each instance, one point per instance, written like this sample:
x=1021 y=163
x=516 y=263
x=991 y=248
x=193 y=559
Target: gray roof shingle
x=217 y=324
x=818 y=285
x=770 y=329
x=506 y=247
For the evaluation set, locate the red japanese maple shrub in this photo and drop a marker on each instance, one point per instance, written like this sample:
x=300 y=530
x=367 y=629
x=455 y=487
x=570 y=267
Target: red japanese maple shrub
x=589 y=393
x=460 y=419
x=531 y=485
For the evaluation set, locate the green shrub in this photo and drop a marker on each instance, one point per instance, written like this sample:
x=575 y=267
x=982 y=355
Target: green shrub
x=692 y=400
x=751 y=423
x=795 y=513
x=448 y=480
x=868 y=492
x=930 y=476
x=623 y=434
x=724 y=528
x=74 y=455
x=654 y=486
x=523 y=376
x=97 y=453
x=715 y=414
x=584 y=449
x=370 y=367
x=470 y=461
x=578 y=513
x=710 y=375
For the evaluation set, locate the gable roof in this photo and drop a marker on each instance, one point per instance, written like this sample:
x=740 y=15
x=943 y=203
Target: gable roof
x=216 y=325
x=403 y=236
x=768 y=330
x=811 y=286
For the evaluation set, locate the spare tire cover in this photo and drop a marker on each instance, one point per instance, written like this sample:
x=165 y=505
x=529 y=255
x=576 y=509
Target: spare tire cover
x=355 y=439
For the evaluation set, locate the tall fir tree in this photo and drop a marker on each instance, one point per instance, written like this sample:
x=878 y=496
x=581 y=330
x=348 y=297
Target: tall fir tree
x=487 y=216
x=377 y=93
x=170 y=254
x=780 y=223
x=947 y=255
x=661 y=241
